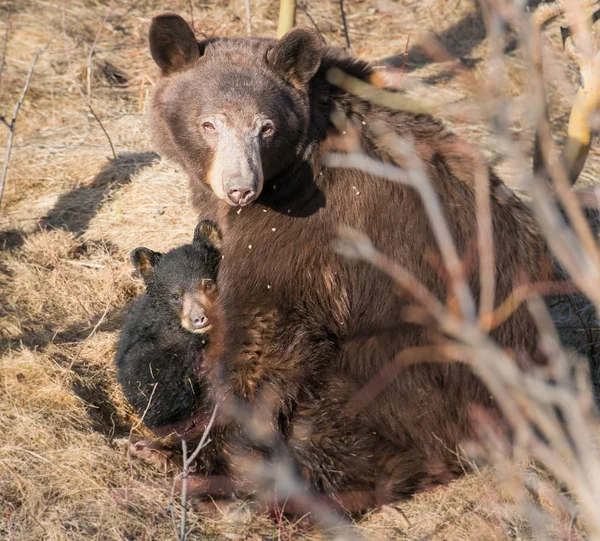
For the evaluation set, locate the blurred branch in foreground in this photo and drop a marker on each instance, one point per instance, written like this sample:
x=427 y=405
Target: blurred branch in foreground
x=550 y=409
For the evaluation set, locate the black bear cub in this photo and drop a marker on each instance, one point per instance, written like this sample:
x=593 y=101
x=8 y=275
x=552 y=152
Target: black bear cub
x=162 y=343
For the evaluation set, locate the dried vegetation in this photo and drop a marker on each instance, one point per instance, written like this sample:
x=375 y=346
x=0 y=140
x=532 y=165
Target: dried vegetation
x=71 y=213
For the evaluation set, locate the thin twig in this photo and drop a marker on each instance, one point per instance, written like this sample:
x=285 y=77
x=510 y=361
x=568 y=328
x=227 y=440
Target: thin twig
x=405 y=57
x=184 y=483
x=345 y=25
x=485 y=241
x=129 y=464
x=85 y=98
x=91 y=53
x=414 y=176
x=204 y=439
x=187 y=461
x=306 y=12
x=192 y=15
x=89 y=336
x=248 y=17
x=13 y=123
x=8 y=23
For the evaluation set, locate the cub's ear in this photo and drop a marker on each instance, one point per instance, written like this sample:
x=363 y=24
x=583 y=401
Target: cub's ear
x=297 y=55
x=144 y=260
x=172 y=43
x=208 y=230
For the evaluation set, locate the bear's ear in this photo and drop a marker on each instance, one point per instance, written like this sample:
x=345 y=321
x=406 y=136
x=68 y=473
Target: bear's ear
x=172 y=43
x=208 y=230
x=144 y=260
x=297 y=55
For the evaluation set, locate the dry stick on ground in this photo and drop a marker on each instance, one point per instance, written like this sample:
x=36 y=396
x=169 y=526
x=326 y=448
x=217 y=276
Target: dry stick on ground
x=13 y=123
x=248 y=19
x=345 y=25
x=86 y=99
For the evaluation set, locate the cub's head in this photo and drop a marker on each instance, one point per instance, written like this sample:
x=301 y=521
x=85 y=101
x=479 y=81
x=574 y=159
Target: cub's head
x=233 y=112
x=183 y=281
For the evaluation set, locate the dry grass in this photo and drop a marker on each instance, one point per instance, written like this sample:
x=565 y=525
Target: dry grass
x=70 y=216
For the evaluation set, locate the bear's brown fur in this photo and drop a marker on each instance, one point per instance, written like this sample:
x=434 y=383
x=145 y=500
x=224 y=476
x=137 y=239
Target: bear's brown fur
x=280 y=211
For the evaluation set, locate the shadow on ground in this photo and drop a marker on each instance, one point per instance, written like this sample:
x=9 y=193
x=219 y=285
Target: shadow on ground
x=75 y=209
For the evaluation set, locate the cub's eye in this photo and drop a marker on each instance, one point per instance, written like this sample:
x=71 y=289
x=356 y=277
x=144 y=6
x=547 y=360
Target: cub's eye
x=209 y=286
x=176 y=297
x=208 y=126
x=267 y=130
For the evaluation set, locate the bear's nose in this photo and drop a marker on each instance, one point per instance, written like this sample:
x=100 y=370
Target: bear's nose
x=199 y=322
x=241 y=196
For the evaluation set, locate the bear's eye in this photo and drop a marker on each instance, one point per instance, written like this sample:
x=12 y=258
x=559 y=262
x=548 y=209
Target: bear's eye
x=267 y=130
x=176 y=297
x=208 y=126
x=209 y=286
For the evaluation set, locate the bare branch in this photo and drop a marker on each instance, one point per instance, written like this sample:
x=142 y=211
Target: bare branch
x=248 y=19
x=204 y=439
x=192 y=15
x=187 y=462
x=85 y=98
x=405 y=59
x=3 y=60
x=13 y=123
x=345 y=26
x=587 y=99
x=92 y=51
x=184 y=482
x=485 y=241
x=312 y=21
x=415 y=177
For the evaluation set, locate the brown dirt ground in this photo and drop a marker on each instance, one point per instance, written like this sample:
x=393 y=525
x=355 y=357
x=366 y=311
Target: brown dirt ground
x=71 y=215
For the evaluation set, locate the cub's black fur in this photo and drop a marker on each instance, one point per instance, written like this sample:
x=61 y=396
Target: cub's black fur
x=162 y=343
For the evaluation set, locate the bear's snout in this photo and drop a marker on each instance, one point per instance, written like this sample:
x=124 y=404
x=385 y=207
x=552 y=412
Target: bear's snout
x=241 y=196
x=194 y=317
x=200 y=322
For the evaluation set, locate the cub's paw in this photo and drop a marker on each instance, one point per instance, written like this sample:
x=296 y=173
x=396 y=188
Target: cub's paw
x=157 y=455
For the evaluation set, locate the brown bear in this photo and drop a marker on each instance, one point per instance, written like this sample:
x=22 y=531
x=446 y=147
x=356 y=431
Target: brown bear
x=250 y=121
x=159 y=361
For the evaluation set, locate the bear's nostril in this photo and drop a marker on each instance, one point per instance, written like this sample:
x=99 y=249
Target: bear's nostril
x=200 y=322
x=240 y=196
